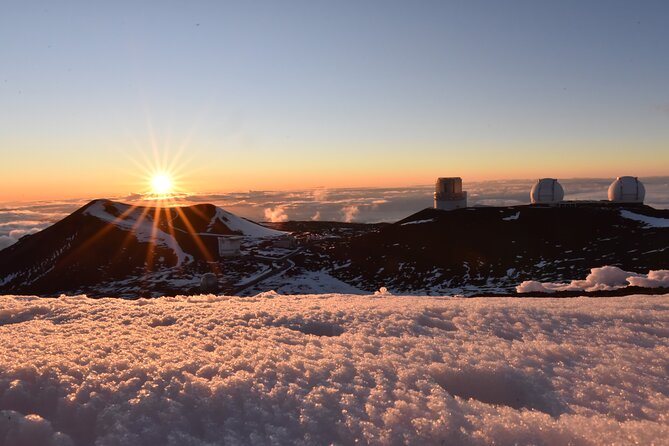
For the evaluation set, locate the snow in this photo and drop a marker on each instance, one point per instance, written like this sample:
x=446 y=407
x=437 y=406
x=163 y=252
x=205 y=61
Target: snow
x=512 y=217
x=140 y=224
x=654 y=279
x=419 y=222
x=305 y=282
x=246 y=227
x=653 y=222
x=599 y=279
x=324 y=369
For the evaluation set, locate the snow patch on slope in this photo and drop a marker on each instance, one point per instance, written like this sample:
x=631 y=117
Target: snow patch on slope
x=419 y=222
x=140 y=224
x=512 y=217
x=246 y=227
x=307 y=282
x=652 y=222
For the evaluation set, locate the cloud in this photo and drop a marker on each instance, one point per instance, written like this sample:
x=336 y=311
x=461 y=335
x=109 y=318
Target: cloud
x=14 y=236
x=316 y=216
x=319 y=194
x=600 y=279
x=350 y=213
x=372 y=204
x=276 y=215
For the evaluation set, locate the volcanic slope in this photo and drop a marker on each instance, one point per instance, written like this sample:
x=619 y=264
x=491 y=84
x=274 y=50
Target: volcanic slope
x=106 y=240
x=492 y=250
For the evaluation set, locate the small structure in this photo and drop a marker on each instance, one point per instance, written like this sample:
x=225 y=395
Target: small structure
x=285 y=241
x=209 y=283
x=627 y=190
x=546 y=191
x=448 y=194
x=229 y=246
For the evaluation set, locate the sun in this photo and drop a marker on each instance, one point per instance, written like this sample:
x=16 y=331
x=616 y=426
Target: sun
x=161 y=184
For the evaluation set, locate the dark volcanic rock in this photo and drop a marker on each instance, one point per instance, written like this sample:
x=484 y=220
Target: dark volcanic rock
x=492 y=249
x=108 y=248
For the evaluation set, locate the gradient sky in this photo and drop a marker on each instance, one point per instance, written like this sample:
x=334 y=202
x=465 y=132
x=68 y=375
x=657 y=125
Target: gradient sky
x=279 y=95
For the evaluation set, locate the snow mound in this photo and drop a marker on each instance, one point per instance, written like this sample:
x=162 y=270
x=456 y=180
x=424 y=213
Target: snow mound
x=19 y=429
x=513 y=217
x=334 y=369
x=600 y=279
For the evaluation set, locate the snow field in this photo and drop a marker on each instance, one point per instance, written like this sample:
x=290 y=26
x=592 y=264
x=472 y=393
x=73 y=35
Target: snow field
x=320 y=369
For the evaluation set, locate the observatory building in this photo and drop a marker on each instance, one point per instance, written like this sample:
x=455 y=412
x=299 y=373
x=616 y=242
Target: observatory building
x=229 y=246
x=627 y=190
x=546 y=191
x=448 y=194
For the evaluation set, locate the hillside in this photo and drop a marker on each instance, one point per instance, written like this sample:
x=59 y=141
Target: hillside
x=109 y=248
x=106 y=241
x=493 y=249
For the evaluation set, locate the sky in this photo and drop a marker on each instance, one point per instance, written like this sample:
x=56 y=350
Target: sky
x=228 y=96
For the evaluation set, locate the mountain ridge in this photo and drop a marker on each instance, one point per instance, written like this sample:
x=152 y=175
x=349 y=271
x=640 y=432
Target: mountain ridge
x=105 y=247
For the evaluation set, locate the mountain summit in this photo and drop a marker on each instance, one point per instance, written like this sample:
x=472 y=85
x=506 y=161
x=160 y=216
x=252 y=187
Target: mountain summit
x=106 y=240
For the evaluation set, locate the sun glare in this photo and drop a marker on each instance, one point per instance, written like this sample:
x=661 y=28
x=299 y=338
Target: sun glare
x=161 y=184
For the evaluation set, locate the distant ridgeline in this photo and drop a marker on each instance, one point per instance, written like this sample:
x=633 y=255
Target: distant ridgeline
x=114 y=249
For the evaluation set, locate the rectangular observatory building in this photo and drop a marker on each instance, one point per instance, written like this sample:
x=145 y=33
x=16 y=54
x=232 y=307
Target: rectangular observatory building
x=448 y=194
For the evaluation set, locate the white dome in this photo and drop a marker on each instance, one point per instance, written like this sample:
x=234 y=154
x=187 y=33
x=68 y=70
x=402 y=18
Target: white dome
x=546 y=190
x=627 y=190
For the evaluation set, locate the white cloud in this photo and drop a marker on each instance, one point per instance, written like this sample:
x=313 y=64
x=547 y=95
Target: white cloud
x=276 y=215
x=319 y=194
x=14 y=236
x=316 y=216
x=350 y=212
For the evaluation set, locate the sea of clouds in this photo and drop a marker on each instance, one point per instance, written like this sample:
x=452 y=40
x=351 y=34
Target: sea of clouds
x=366 y=205
x=334 y=369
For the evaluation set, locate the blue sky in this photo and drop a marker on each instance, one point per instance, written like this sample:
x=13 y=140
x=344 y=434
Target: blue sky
x=305 y=94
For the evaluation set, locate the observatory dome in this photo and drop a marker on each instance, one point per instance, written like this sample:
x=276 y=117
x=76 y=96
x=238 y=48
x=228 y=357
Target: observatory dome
x=546 y=190
x=627 y=190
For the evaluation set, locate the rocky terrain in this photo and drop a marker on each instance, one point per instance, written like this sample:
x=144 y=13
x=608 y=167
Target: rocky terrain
x=107 y=248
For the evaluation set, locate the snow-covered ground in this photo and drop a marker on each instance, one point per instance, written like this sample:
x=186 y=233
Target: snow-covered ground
x=342 y=369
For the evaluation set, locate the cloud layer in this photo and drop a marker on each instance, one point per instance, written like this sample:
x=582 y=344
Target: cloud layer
x=366 y=205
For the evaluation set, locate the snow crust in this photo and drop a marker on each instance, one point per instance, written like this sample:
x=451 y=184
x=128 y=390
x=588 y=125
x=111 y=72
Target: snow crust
x=601 y=279
x=323 y=369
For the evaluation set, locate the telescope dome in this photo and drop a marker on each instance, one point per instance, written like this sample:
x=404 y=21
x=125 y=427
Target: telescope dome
x=627 y=190
x=546 y=191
